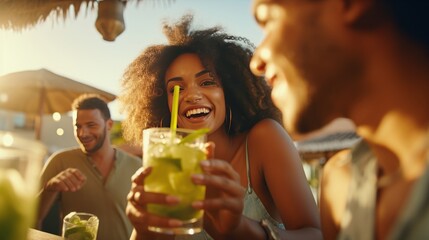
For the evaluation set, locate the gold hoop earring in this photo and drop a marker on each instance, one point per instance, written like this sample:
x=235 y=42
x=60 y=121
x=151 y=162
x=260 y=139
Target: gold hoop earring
x=229 y=120
x=167 y=122
x=161 y=122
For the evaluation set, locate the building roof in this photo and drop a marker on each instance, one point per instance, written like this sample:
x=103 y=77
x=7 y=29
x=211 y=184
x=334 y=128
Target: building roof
x=327 y=145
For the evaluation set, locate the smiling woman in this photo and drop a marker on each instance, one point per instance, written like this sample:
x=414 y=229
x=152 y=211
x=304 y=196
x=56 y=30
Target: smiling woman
x=218 y=92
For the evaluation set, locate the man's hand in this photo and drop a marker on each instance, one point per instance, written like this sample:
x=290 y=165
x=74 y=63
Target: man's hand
x=69 y=180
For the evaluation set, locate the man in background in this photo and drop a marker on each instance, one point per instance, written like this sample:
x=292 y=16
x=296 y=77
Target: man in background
x=94 y=177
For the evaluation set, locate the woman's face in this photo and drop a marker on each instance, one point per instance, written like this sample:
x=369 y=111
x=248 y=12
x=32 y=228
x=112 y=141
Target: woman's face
x=201 y=101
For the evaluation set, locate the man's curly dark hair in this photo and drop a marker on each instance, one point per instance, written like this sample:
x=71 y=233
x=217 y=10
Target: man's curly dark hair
x=144 y=98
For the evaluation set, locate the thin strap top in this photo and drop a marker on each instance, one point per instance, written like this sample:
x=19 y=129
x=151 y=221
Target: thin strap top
x=253 y=208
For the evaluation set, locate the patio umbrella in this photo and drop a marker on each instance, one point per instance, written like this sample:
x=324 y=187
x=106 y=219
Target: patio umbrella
x=22 y=14
x=39 y=92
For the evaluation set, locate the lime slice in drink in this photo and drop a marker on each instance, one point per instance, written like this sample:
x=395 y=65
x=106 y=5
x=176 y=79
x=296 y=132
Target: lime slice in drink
x=92 y=221
x=81 y=229
x=168 y=162
x=78 y=233
x=184 y=212
x=75 y=219
x=74 y=230
x=158 y=180
x=181 y=182
x=190 y=156
x=194 y=135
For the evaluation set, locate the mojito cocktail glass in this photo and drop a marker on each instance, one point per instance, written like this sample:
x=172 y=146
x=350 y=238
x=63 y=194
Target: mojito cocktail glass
x=80 y=226
x=174 y=157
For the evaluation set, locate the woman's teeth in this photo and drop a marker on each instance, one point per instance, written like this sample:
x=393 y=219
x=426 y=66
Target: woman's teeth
x=197 y=112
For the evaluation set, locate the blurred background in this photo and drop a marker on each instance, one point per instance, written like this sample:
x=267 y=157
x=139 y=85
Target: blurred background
x=71 y=46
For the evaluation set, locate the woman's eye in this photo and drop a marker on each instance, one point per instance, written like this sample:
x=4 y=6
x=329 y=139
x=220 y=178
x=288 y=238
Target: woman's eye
x=209 y=83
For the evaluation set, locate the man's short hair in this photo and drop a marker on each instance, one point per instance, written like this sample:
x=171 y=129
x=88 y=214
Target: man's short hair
x=92 y=101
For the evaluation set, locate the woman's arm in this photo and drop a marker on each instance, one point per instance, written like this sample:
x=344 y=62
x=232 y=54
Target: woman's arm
x=282 y=183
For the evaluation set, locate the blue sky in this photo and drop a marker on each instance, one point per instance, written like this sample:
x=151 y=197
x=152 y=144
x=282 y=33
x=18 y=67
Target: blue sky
x=73 y=48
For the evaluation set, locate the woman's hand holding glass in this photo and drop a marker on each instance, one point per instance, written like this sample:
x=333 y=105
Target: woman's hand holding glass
x=223 y=204
x=138 y=199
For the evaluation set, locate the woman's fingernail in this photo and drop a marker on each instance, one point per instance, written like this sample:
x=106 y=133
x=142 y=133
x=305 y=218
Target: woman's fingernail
x=198 y=178
x=146 y=170
x=137 y=196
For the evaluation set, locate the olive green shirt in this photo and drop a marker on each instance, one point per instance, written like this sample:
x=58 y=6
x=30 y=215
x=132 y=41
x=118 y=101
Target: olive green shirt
x=106 y=198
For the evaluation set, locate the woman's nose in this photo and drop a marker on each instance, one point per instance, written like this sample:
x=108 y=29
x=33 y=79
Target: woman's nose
x=192 y=95
x=257 y=65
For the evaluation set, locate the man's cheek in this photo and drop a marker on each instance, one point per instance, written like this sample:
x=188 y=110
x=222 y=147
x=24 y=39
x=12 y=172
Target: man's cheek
x=279 y=95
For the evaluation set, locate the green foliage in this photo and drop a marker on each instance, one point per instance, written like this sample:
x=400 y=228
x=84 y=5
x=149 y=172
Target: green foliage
x=116 y=134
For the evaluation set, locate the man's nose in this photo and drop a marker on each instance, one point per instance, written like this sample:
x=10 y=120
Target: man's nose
x=82 y=131
x=257 y=65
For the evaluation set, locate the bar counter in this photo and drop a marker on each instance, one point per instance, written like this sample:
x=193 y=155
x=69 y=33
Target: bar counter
x=34 y=234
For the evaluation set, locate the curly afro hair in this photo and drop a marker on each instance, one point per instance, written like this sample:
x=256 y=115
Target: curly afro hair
x=144 y=96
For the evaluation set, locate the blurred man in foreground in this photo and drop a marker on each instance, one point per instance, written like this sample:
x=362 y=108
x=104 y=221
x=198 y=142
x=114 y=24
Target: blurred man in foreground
x=366 y=60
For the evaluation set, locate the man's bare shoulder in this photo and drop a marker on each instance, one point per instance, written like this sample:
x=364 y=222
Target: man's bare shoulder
x=334 y=187
x=338 y=163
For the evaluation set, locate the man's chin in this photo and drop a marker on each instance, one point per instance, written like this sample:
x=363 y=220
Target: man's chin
x=85 y=149
x=290 y=124
x=300 y=125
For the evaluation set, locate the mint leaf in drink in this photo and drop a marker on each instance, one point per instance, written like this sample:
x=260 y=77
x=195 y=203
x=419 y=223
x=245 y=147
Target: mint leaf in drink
x=194 y=135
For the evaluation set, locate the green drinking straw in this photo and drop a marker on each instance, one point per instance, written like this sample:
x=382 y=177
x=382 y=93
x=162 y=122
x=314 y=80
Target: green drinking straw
x=174 y=110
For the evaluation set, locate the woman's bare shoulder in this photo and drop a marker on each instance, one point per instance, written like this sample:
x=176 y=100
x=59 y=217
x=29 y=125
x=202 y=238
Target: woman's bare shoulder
x=268 y=129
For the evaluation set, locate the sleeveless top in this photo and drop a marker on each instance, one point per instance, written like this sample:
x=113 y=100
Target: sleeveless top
x=253 y=209
x=358 y=222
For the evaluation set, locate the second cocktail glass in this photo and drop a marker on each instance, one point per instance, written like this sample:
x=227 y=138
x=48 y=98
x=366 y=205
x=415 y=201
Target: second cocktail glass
x=80 y=226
